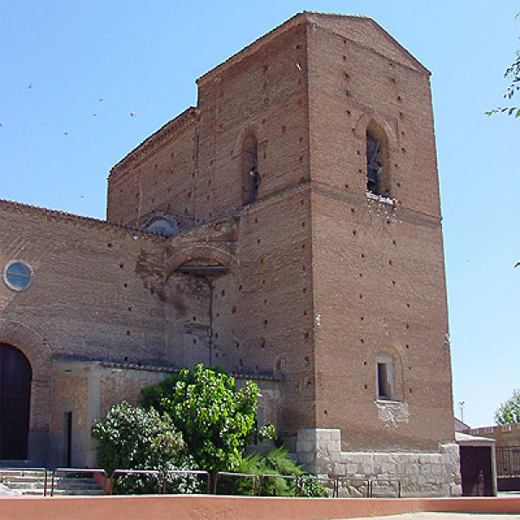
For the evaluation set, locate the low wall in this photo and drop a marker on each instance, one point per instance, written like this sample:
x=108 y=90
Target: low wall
x=237 y=508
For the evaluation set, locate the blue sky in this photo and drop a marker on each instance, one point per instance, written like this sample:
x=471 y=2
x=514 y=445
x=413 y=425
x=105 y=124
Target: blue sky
x=72 y=71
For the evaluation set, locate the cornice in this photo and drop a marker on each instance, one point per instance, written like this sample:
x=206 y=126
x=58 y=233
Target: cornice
x=73 y=218
x=360 y=199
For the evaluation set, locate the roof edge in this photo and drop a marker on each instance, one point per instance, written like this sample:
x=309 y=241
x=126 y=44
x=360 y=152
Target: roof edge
x=160 y=137
x=314 y=15
x=74 y=217
x=294 y=21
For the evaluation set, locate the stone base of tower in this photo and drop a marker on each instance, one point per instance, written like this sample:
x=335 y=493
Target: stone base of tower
x=414 y=473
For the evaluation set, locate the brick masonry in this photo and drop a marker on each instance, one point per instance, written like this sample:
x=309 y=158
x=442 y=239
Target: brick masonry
x=305 y=282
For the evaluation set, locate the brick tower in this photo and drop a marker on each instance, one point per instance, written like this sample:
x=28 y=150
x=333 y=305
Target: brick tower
x=302 y=200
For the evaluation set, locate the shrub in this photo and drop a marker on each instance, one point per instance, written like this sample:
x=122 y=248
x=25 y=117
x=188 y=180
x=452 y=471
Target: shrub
x=134 y=438
x=275 y=463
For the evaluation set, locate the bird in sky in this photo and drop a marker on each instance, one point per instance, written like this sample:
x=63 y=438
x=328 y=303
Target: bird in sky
x=132 y=114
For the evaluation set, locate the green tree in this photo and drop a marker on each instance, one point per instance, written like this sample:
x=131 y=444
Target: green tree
x=216 y=418
x=509 y=412
x=512 y=73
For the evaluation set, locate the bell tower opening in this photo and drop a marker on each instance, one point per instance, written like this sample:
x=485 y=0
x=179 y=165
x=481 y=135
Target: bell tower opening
x=377 y=161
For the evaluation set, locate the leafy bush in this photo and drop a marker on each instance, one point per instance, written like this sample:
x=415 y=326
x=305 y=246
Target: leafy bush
x=215 y=418
x=138 y=439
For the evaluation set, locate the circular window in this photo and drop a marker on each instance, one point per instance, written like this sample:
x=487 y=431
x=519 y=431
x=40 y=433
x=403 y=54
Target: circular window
x=18 y=275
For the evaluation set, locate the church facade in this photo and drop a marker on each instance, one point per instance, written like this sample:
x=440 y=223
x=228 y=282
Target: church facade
x=287 y=228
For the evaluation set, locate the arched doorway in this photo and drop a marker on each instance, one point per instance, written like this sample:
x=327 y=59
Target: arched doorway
x=15 y=398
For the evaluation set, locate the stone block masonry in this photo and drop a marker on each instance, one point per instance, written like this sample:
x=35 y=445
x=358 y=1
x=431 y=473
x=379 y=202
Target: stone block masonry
x=435 y=473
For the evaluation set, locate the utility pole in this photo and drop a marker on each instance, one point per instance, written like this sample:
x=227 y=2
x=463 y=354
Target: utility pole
x=461 y=407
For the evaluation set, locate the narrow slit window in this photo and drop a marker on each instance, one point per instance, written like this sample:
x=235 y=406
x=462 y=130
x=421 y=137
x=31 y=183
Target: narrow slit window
x=374 y=165
x=250 y=172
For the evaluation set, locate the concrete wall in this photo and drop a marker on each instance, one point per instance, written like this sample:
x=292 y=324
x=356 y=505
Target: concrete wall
x=240 y=508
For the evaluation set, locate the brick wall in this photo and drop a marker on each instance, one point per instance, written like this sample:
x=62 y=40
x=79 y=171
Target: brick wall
x=378 y=265
x=93 y=292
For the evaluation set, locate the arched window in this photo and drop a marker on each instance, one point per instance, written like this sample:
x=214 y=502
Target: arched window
x=377 y=160
x=163 y=224
x=250 y=173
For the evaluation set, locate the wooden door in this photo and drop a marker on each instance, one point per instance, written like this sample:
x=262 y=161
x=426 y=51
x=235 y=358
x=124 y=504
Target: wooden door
x=475 y=465
x=15 y=397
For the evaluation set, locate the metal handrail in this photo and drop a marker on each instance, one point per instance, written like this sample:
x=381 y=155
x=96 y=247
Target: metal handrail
x=371 y=485
x=39 y=470
x=138 y=472
x=284 y=477
x=79 y=470
x=187 y=472
x=234 y=475
x=318 y=479
x=257 y=479
x=340 y=479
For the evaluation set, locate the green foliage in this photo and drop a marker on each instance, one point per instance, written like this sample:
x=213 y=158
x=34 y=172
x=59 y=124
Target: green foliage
x=512 y=73
x=134 y=438
x=509 y=412
x=215 y=418
x=277 y=464
x=312 y=488
x=267 y=433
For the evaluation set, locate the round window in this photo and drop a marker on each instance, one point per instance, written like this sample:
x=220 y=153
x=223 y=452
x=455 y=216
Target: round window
x=18 y=275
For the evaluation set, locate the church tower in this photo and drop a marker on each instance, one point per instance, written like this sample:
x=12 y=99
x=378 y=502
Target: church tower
x=302 y=200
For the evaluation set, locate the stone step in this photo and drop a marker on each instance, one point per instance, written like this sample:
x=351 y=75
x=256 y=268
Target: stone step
x=37 y=484
x=33 y=483
x=4 y=473
x=16 y=463
x=63 y=492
